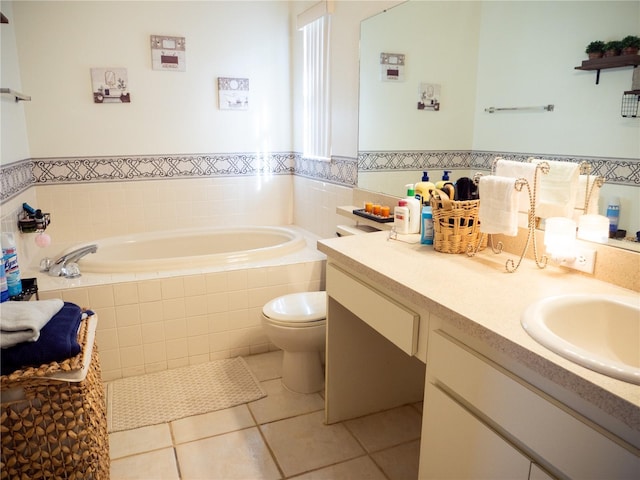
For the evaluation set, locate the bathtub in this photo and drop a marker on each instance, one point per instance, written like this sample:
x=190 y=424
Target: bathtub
x=168 y=300
x=185 y=249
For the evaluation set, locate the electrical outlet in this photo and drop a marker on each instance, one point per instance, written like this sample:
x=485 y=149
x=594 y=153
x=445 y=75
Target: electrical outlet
x=585 y=260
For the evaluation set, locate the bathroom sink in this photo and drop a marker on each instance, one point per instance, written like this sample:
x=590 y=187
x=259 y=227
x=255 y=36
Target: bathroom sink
x=600 y=332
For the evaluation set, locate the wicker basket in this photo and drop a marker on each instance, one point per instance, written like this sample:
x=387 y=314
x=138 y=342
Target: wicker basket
x=455 y=224
x=57 y=429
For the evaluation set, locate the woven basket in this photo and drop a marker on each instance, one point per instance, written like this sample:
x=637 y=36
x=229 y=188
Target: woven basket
x=455 y=224
x=57 y=429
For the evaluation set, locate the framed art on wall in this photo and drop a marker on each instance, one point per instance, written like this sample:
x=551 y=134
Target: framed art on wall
x=110 y=85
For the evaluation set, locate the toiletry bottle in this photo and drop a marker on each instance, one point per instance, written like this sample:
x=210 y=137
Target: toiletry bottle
x=401 y=217
x=414 y=209
x=613 y=214
x=426 y=237
x=445 y=179
x=12 y=269
x=4 y=290
x=423 y=189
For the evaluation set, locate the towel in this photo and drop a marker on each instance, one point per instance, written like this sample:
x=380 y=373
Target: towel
x=558 y=189
x=498 y=212
x=58 y=341
x=582 y=194
x=22 y=321
x=511 y=169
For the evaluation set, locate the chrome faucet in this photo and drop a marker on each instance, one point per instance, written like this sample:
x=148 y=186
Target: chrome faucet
x=65 y=266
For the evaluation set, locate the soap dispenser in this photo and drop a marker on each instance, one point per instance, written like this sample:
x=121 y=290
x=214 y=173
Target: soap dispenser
x=424 y=188
x=414 y=209
x=444 y=184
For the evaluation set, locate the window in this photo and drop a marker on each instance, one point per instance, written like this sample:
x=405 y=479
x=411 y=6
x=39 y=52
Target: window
x=317 y=108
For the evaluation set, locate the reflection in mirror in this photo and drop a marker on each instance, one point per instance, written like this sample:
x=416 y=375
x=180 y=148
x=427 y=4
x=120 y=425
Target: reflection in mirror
x=493 y=54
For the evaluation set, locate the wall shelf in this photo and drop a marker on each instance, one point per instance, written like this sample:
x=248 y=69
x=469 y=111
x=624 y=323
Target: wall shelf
x=609 y=62
x=17 y=95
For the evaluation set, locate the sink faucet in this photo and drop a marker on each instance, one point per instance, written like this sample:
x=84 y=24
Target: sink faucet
x=60 y=267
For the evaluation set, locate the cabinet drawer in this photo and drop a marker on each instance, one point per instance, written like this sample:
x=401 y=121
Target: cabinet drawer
x=561 y=441
x=395 y=322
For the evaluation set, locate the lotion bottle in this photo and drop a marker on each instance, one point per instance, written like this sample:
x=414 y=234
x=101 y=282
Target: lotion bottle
x=613 y=214
x=414 y=209
x=426 y=238
x=401 y=218
x=423 y=189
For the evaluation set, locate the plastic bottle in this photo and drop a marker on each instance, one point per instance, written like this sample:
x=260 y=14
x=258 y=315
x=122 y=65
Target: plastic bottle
x=4 y=290
x=12 y=269
x=423 y=189
x=445 y=179
x=426 y=238
x=414 y=209
x=613 y=214
x=401 y=217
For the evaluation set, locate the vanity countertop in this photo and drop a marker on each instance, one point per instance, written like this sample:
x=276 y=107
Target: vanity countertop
x=477 y=296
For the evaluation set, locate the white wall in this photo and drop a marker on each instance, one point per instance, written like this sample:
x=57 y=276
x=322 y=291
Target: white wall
x=170 y=112
x=14 y=145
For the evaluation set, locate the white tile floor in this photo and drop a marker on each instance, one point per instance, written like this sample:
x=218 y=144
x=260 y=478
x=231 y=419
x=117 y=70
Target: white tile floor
x=277 y=437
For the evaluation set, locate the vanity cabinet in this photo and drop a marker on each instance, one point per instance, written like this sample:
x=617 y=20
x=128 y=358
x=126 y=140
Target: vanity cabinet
x=480 y=421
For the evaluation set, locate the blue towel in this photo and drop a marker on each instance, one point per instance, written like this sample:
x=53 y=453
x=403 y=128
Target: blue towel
x=58 y=341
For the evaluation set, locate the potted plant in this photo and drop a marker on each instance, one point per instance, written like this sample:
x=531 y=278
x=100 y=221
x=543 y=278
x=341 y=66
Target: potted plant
x=612 y=48
x=630 y=45
x=595 y=49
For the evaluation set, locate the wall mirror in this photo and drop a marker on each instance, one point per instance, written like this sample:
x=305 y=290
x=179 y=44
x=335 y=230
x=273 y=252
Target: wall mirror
x=496 y=54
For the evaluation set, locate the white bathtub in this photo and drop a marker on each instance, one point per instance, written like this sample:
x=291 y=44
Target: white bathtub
x=192 y=248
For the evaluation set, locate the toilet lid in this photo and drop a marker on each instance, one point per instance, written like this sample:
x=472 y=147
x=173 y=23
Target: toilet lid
x=298 y=307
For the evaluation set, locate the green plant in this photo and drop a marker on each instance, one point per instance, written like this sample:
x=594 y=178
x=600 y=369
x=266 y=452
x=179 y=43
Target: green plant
x=613 y=45
x=630 y=41
x=595 y=47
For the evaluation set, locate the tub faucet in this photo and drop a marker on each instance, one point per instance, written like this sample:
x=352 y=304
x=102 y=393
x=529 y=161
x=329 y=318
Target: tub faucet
x=61 y=266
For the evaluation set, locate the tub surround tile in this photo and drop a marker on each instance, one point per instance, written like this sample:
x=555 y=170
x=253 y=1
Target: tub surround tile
x=101 y=296
x=79 y=296
x=127 y=315
x=172 y=288
x=130 y=336
x=150 y=291
x=150 y=312
x=125 y=294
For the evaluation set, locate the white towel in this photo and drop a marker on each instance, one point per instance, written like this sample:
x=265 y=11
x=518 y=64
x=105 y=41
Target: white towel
x=498 y=212
x=582 y=194
x=22 y=321
x=558 y=189
x=526 y=170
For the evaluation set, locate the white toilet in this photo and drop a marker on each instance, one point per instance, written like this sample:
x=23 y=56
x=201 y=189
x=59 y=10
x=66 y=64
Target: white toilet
x=296 y=323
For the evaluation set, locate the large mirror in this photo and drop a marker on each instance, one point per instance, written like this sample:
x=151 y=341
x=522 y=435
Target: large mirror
x=471 y=56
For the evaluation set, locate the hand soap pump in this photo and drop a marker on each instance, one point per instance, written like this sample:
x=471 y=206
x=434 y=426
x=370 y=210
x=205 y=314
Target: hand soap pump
x=424 y=189
x=445 y=180
x=414 y=209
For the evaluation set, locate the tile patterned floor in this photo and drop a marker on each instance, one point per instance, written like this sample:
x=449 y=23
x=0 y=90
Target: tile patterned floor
x=281 y=436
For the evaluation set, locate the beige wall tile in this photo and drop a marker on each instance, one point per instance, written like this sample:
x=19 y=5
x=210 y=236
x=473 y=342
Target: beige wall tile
x=107 y=339
x=101 y=296
x=195 y=285
x=197 y=326
x=177 y=348
x=216 y=282
x=125 y=293
x=127 y=315
x=172 y=288
x=238 y=300
x=151 y=312
x=237 y=279
x=130 y=336
x=131 y=356
x=218 y=322
x=196 y=305
x=176 y=328
x=150 y=291
x=173 y=309
x=198 y=345
x=106 y=317
x=155 y=352
x=79 y=296
x=152 y=332
x=217 y=302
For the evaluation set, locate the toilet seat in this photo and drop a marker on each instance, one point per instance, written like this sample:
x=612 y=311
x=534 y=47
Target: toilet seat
x=297 y=310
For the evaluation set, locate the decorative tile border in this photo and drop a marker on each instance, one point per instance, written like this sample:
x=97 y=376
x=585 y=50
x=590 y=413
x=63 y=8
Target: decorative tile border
x=19 y=176
x=621 y=171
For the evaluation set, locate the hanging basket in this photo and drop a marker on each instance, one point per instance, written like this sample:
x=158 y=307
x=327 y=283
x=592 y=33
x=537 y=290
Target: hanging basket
x=455 y=224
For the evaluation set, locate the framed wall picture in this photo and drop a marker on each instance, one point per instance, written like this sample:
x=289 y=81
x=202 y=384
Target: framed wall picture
x=392 y=67
x=168 y=53
x=233 y=93
x=429 y=96
x=110 y=85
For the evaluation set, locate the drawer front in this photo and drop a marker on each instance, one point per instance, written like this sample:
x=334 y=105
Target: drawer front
x=395 y=322
x=565 y=443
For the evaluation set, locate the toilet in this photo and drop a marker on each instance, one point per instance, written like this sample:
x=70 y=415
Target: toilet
x=296 y=323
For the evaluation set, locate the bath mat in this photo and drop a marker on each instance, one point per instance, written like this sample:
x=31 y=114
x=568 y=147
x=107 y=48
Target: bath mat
x=161 y=397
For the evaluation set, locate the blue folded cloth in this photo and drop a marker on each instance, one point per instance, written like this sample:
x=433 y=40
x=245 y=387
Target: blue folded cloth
x=58 y=341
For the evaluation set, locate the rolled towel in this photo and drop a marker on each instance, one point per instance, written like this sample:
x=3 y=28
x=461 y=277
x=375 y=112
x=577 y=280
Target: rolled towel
x=58 y=341
x=526 y=170
x=22 y=321
x=558 y=189
x=498 y=211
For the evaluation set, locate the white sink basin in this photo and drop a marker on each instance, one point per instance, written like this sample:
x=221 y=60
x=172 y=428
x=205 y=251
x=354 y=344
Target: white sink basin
x=599 y=332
